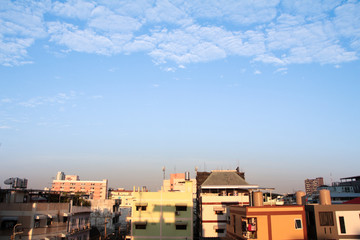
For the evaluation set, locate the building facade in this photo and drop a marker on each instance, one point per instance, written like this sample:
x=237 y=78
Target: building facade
x=25 y=219
x=219 y=190
x=125 y=197
x=162 y=215
x=340 y=221
x=267 y=222
x=311 y=185
x=73 y=184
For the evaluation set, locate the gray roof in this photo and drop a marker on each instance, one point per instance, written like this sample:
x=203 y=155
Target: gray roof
x=224 y=178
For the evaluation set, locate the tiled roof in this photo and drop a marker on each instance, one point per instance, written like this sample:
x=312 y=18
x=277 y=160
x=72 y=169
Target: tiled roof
x=223 y=178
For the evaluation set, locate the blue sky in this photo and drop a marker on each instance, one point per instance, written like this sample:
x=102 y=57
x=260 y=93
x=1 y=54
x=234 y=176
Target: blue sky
x=118 y=89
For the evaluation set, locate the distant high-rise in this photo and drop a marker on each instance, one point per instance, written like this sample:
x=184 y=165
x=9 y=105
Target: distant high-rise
x=60 y=176
x=312 y=184
x=73 y=184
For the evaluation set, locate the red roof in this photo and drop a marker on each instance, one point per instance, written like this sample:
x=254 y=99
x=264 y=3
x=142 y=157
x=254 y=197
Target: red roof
x=353 y=201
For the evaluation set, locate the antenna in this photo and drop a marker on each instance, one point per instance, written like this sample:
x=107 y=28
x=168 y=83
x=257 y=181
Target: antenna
x=163 y=169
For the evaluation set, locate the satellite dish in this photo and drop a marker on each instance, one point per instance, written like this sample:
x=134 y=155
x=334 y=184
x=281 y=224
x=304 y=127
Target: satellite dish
x=8 y=181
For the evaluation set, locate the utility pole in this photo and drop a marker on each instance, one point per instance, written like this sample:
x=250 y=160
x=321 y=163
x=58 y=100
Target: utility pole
x=105 y=226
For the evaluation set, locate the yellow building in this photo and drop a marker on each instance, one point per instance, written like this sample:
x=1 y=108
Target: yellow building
x=162 y=215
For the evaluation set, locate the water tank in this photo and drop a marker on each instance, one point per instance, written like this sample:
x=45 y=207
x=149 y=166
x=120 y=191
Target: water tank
x=324 y=197
x=258 y=199
x=187 y=176
x=299 y=197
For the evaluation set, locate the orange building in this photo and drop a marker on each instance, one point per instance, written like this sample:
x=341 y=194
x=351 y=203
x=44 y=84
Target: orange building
x=267 y=222
x=73 y=184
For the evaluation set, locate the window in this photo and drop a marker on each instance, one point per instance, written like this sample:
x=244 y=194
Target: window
x=36 y=223
x=298 y=224
x=140 y=208
x=181 y=227
x=342 y=225
x=140 y=226
x=181 y=208
x=8 y=224
x=326 y=219
x=220 y=230
x=218 y=212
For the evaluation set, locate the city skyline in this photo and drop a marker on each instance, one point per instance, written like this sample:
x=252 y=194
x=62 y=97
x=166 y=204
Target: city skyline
x=110 y=90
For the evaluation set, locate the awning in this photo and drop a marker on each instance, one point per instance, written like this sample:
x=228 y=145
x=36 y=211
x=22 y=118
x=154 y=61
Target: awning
x=40 y=216
x=181 y=223
x=219 y=227
x=141 y=204
x=65 y=214
x=219 y=209
x=180 y=204
x=140 y=222
x=52 y=216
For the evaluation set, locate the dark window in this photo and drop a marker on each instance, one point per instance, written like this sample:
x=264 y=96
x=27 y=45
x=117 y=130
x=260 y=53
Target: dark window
x=298 y=224
x=181 y=208
x=220 y=230
x=49 y=221
x=140 y=226
x=65 y=219
x=342 y=224
x=37 y=223
x=8 y=225
x=142 y=208
x=219 y=212
x=326 y=219
x=181 y=227
x=234 y=217
x=243 y=226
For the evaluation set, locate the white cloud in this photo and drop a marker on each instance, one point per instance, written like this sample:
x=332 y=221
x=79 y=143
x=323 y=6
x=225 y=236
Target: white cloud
x=6 y=100
x=5 y=127
x=105 y=20
x=20 y=24
x=80 y=40
x=257 y=72
x=73 y=8
x=239 y=12
x=183 y=32
x=60 y=98
x=165 y=11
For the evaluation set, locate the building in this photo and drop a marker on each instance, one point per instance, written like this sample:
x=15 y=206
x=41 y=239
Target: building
x=73 y=184
x=312 y=184
x=218 y=190
x=36 y=215
x=162 y=215
x=267 y=222
x=353 y=182
x=338 y=193
x=176 y=183
x=125 y=197
x=326 y=221
x=105 y=215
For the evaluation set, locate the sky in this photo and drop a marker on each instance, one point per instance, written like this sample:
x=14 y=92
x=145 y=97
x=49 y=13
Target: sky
x=118 y=89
